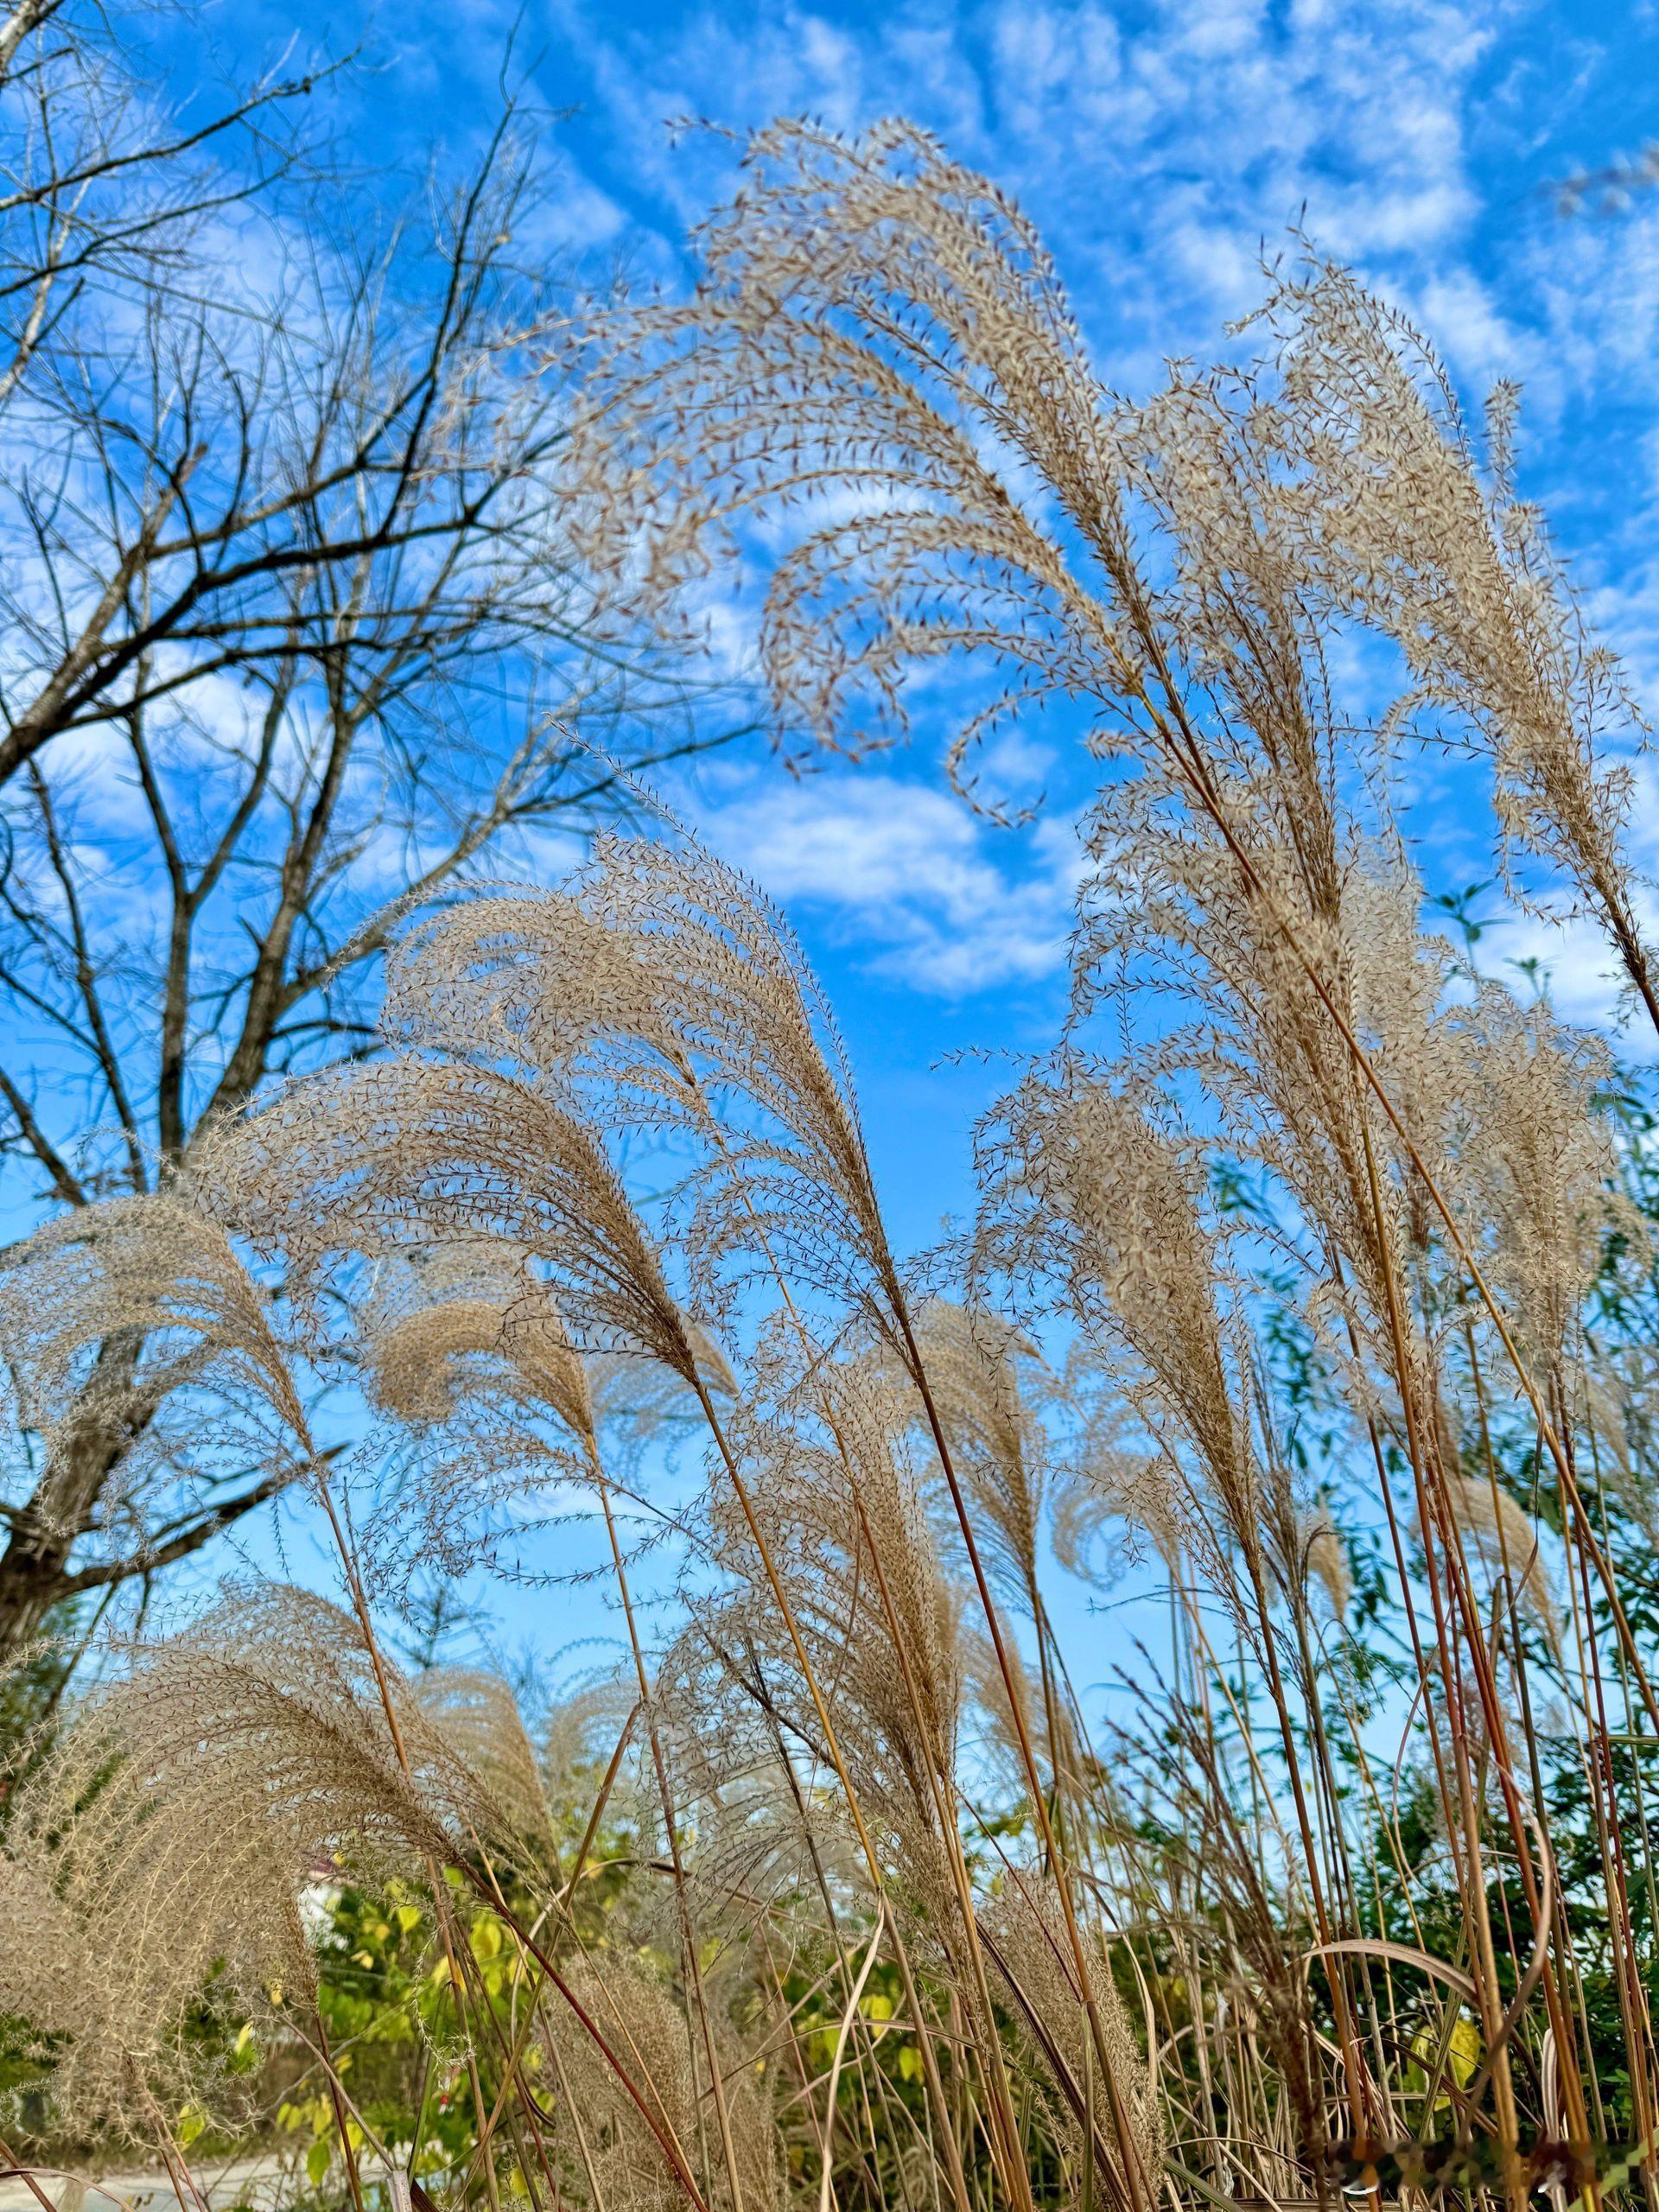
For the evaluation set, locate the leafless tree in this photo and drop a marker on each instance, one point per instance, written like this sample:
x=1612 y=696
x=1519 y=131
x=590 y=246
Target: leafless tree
x=291 y=635
x=102 y=184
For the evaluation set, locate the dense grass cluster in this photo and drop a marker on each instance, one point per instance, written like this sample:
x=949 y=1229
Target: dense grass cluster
x=1311 y=1299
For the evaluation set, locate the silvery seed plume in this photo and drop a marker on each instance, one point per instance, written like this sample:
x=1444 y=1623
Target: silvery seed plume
x=494 y=1415
x=1110 y=1497
x=1108 y=1512
x=582 y=1722
x=880 y=321
x=844 y=1511
x=1346 y=1205
x=1321 y=1558
x=1234 y=608
x=489 y=1412
x=399 y=1154
x=986 y=1378
x=662 y=984
x=862 y=1493
x=1081 y=1183
x=491 y=1487
x=975 y=1365
x=170 y=1831
x=1502 y=1100
x=1408 y=535
x=138 y=1343
x=1504 y=1537
x=986 y=1693
x=1539 y=1160
x=477 y=1716
x=1024 y=1937
x=882 y=358
x=1235 y=1014
x=770 y=1839
x=609 y=2159
x=877 y=321
x=1082 y=1188
x=642 y=1410
x=1403 y=991
x=441 y=1319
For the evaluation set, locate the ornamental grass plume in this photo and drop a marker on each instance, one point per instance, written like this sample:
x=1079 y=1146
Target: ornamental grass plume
x=458 y=1315
x=608 y=2157
x=477 y=1717
x=161 y=1849
x=1308 y=1312
x=1023 y=1932
x=844 y=1512
x=154 y=1270
x=141 y=1350
x=487 y=1411
x=408 y=1152
x=980 y=1371
x=1542 y=1161
x=873 y=316
x=879 y=322
x=1084 y=1188
x=1400 y=528
x=1499 y=1528
x=845 y=1503
x=655 y=982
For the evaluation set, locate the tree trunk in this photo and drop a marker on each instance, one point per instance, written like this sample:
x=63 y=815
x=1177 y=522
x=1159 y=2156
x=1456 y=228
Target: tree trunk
x=87 y=1447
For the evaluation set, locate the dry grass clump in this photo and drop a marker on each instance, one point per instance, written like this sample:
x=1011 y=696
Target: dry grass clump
x=165 y=1843
x=1308 y=1311
x=608 y=2154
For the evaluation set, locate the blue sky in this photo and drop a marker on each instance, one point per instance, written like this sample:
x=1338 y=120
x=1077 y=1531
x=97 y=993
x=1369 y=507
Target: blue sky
x=1163 y=149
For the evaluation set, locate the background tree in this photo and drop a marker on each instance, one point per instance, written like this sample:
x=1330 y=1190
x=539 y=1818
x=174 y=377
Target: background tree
x=294 y=635
x=103 y=185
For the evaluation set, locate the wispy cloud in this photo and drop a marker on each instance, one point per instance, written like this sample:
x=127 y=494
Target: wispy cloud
x=929 y=893
x=1159 y=158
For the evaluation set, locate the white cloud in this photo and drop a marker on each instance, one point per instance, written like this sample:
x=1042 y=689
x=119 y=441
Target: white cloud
x=1469 y=328
x=1158 y=156
x=939 y=898
x=575 y=213
x=1597 y=282
x=1574 y=961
